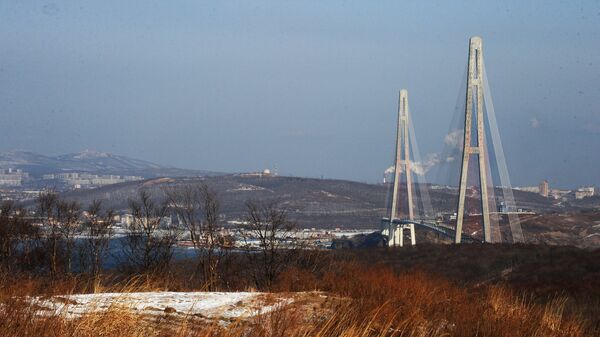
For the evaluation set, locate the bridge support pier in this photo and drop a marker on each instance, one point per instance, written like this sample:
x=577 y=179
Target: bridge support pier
x=399 y=237
x=395 y=233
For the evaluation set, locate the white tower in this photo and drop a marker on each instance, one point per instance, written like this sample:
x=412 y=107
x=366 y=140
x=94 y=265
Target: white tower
x=402 y=164
x=474 y=101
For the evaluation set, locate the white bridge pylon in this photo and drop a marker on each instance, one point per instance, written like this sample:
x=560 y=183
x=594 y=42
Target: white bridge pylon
x=415 y=208
x=393 y=227
x=478 y=109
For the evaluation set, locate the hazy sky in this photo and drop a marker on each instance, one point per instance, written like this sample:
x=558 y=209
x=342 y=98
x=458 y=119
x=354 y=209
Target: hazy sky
x=309 y=87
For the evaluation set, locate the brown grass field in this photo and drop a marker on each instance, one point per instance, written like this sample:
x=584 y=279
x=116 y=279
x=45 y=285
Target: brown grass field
x=473 y=290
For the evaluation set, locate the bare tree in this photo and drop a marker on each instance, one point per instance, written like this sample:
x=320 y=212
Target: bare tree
x=18 y=237
x=8 y=239
x=47 y=202
x=149 y=242
x=267 y=224
x=187 y=205
x=27 y=236
x=68 y=218
x=197 y=208
x=98 y=229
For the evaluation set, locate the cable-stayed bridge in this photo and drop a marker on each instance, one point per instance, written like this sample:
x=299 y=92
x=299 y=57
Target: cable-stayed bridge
x=477 y=147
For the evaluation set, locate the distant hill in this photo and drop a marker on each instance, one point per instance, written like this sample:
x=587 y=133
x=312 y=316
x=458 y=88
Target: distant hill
x=310 y=202
x=91 y=162
x=327 y=203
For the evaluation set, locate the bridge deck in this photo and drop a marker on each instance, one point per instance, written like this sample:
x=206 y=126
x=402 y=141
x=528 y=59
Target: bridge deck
x=443 y=230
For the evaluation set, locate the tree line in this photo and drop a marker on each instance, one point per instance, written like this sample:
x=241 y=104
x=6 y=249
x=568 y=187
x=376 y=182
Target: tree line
x=59 y=237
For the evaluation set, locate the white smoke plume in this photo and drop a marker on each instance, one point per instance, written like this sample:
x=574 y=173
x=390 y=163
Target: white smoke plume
x=455 y=139
x=417 y=167
x=534 y=122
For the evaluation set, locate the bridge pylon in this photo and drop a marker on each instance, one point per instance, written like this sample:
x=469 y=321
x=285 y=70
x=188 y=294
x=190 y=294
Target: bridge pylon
x=392 y=226
x=474 y=146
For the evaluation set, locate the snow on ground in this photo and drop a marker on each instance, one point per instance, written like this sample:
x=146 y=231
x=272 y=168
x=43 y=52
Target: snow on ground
x=351 y=233
x=327 y=194
x=216 y=305
x=247 y=187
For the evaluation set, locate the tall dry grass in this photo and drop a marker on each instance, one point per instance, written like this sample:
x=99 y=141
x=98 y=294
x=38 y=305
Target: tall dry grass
x=362 y=301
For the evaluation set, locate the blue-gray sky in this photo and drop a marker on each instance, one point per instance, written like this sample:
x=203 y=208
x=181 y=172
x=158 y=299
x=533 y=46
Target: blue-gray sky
x=309 y=87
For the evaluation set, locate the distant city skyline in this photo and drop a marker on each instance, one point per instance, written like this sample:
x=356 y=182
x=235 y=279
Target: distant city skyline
x=310 y=89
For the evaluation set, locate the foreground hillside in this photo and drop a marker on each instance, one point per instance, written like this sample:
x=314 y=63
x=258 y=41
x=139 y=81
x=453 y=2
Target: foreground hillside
x=427 y=290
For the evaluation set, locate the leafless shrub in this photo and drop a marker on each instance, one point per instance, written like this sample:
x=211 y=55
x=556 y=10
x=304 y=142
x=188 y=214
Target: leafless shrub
x=98 y=230
x=60 y=221
x=18 y=237
x=149 y=242
x=197 y=208
x=267 y=224
x=68 y=217
x=47 y=202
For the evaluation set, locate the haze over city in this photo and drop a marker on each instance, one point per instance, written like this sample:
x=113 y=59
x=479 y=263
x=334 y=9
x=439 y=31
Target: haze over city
x=312 y=90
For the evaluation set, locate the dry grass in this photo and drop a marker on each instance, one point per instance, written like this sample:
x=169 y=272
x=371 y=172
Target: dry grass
x=362 y=301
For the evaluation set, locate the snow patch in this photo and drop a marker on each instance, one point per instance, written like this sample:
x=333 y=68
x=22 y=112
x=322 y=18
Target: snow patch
x=220 y=305
x=330 y=195
x=247 y=187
